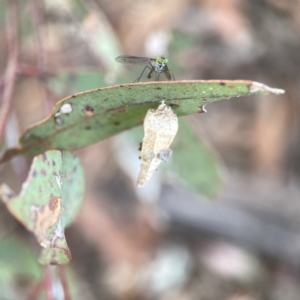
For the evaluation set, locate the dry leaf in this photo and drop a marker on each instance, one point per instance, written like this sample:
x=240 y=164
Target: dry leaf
x=160 y=126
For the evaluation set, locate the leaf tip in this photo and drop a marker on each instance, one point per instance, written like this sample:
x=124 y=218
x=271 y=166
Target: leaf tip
x=6 y=193
x=202 y=109
x=260 y=87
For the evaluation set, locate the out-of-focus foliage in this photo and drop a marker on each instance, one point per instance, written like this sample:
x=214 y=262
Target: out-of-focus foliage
x=195 y=163
x=65 y=83
x=19 y=268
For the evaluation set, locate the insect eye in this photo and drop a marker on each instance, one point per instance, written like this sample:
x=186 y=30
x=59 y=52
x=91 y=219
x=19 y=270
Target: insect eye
x=159 y=60
x=165 y=60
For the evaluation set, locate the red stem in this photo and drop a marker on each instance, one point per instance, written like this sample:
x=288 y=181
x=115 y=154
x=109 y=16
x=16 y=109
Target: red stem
x=63 y=280
x=11 y=70
x=48 y=283
x=35 y=292
x=41 y=54
x=1 y=83
x=28 y=70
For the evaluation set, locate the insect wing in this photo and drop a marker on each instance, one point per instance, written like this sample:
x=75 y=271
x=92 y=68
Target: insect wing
x=138 y=60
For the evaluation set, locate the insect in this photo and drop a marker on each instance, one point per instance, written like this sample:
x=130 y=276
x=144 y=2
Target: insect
x=157 y=65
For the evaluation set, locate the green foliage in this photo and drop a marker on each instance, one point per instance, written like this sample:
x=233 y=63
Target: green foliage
x=86 y=118
x=194 y=162
x=19 y=269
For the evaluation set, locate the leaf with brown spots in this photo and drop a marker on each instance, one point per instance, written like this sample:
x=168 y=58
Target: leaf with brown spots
x=44 y=217
x=89 y=117
x=49 y=201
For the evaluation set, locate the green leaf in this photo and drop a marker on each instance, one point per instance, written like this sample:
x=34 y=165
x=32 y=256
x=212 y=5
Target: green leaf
x=19 y=269
x=86 y=118
x=49 y=201
x=194 y=163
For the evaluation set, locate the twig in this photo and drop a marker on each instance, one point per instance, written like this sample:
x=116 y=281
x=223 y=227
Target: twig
x=35 y=292
x=28 y=70
x=41 y=54
x=22 y=69
x=37 y=20
x=11 y=133
x=11 y=70
x=63 y=280
x=1 y=83
x=48 y=283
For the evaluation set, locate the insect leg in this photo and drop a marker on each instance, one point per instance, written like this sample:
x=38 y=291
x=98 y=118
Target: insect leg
x=172 y=75
x=168 y=73
x=150 y=74
x=138 y=79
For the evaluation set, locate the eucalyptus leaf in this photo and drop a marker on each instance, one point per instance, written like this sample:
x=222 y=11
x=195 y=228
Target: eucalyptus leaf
x=89 y=117
x=194 y=163
x=49 y=201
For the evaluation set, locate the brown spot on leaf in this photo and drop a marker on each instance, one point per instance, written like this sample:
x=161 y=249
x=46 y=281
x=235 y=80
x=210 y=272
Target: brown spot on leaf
x=44 y=156
x=222 y=83
x=43 y=172
x=158 y=88
x=68 y=254
x=74 y=96
x=58 y=121
x=174 y=105
x=44 y=217
x=105 y=99
x=53 y=202
x=88 y=127
x=34 y=173
x=121 y=110
x=53 y=163
x=117 y=123
x=53 y=260
x=88 y=110
x=140 y=146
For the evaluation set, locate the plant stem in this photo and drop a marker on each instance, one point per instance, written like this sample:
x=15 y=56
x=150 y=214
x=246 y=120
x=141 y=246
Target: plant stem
x=35 y=292
x=63 y=280
x=41 y=54
x=48 y=283
x=11 y=70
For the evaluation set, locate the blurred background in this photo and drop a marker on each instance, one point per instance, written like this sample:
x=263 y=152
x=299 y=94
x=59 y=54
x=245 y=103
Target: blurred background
x=221 y=220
